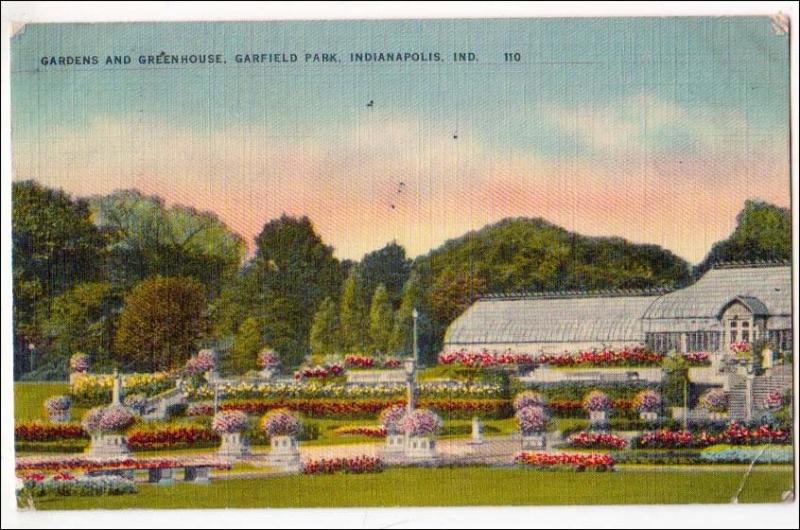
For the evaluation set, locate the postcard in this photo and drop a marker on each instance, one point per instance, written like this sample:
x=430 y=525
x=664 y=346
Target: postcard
x=381 y=263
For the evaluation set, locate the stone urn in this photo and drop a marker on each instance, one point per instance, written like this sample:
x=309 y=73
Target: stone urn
x=648 y=416
x=235 y=445
x=395 y=443
x=109 y=445
x=60 y=416
x=284 y=453
x=421 y=448
x=598 y=419
x=534 y=441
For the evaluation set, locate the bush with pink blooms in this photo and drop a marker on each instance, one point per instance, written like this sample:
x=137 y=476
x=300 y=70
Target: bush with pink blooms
x=773 y=401
x=281 y=422
x=390 y=418
x=115 y=419
x=420 y=422
x=201 y=363
x=58 y=404
x=529 y=398
x=230 y=421
x=268 y=360
x=532 y=420
x=647 y=401
x=79 y=363
x=714 y=400
x=596 y=401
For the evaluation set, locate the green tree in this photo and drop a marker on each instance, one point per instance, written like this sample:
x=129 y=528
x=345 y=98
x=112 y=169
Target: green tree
x=325 y=332
x=763 y=232
x=161 y=323
x=246 y=346
x=55 y=245
x=381 y=319
x=353 y=316
x=388 y=266
x=147 y=239
x=83 y=319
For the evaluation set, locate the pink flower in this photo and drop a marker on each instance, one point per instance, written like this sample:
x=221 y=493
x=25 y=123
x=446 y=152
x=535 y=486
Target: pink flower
x=58 y=403
x=268 y=360
x=201 y=363
x=280 y=422
x=79 y=363
x=647 y=401
x=115 y=418
x=596 y=401
x=420 y=422
x=230 y=422
x=390 y=418
x=532 y=420
x=529 y=399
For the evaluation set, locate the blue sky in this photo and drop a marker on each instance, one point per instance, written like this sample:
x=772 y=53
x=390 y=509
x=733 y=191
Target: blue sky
x=644 y=128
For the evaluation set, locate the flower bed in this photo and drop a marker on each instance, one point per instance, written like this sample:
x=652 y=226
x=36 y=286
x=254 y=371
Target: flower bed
x=64 y=484
x=200 y=409
x=623 y=357
x=592 y=440
x=356 y=465
x=734 y=434
x=319 y=372
x=88 y=389
x=369 y=431
x=744 y=455
x=698 y=358
x=575 y=408
x=370 y=408
x=171 y=437
x=566 y=461
x=37 y=431
x=361 y=362
x=56 y=464
x=484 y=359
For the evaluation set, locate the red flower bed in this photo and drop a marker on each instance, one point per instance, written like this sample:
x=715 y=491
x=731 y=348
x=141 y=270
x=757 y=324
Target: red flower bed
x=319 y=372
x=320 y=408
x=364 y=430
x=593 y=440
x=735 y=434
x=61 y=464
x=171 y=437
x=561 y=461
x=357 y=465
x=36 y=431
x=562 y=407
x=484 y=359
x=623 y=357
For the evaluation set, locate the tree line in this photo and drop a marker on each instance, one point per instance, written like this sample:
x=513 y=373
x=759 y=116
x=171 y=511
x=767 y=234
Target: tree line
x=141 y=286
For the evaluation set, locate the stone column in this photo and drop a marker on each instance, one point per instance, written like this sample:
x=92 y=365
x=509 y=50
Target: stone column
x=116 y=397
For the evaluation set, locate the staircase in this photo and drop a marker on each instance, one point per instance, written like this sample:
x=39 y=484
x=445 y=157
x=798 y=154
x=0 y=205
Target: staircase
x=778 y=380
x=743 y=407
x=737 y=398
x=157 y=407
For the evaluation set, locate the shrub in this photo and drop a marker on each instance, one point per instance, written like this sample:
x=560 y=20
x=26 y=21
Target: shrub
x=64 y=484
x=155 y=437
x=529 y=399
x=280 y=422
x=370 y=431
x=532 y=420
x=61 y=446
x=420 y=422
x=232 y=421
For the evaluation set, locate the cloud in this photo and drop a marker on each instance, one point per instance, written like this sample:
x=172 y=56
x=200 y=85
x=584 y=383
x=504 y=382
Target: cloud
x=409 y=180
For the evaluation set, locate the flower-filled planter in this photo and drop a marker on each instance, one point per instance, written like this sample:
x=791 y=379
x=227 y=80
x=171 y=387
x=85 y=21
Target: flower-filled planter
x=58 y=408
x=773 y=401
x=78 y=366
x=647 y=403
x=107 y=425
x=282 y=428
x=532 y=421
x=420 y=427
x=529 y=398
x=715 y=402
x=230 y=425
x=269 y=363
x=597 y=404
x=201 y=364
x=390 y=420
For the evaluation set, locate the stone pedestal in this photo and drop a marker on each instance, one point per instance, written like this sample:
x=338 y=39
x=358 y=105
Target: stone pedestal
x=648 y=416
x=267 y=373
x=477 y=432
x=234 y=446
x=197 y=474
x=109 y=446
x=60 y=416
x=421 y=448
x=395 y=443
x=536 y=441
x=284 y=453
x=161 y=476
x=598 y=420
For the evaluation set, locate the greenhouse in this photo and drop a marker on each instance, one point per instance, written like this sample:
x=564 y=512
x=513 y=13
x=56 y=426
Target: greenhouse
x=728 y=304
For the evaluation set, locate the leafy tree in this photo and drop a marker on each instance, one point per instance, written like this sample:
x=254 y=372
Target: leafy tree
x=161 y=323
x=453 y=292
x=763 y=232
x=246 y=346
x=381 y=317
x=388 y=266
x=55 y=246
x=402 y=331
x=325 y=332
x=83 y=319
x=353 y=316
x=149 y=239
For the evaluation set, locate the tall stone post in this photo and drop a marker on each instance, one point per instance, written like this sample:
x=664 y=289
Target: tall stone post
x=116 y=397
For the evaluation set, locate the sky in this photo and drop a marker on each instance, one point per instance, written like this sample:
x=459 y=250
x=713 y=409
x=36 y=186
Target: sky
x=656 y=130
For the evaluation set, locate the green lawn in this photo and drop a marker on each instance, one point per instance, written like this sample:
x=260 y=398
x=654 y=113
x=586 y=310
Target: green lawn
x=29 y=399
x=450 y=487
